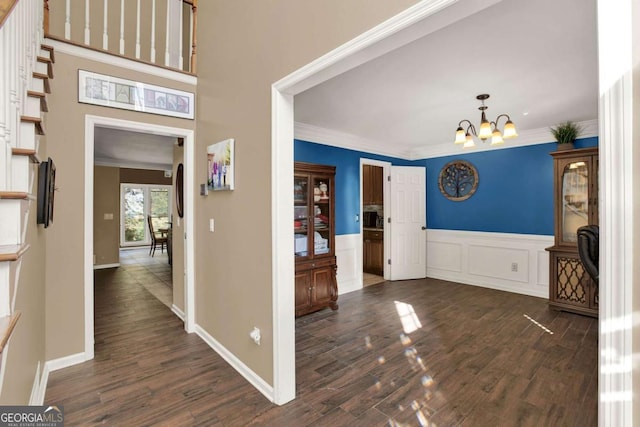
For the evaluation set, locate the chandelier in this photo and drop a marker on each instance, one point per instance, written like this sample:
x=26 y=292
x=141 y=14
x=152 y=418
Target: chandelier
x=487 y=129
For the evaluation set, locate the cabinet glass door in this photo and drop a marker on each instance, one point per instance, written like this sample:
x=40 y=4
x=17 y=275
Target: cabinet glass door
x=321 y=216
x=575 y=199
x=301 y=215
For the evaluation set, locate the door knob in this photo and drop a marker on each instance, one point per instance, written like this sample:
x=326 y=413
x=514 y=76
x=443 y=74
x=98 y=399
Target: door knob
x=424 y=228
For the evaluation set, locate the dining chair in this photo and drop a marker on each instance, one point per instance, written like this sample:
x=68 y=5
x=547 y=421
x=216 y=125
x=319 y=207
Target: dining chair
x=155 y=238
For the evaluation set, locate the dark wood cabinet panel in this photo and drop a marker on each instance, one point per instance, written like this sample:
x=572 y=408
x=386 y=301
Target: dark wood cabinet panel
x=372 y=185
x=373 y=252
x=575 y=205
x=314 y=235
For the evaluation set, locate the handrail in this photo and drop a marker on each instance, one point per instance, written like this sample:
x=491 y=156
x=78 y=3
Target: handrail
x=6 y=6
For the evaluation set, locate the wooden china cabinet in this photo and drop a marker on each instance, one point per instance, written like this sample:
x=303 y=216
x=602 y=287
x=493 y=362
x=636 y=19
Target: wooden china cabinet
x=314 y=236
x=575 y=204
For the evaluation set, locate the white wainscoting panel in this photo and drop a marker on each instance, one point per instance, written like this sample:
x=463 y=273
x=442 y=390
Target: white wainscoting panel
x=487 y=260
x=349 y=260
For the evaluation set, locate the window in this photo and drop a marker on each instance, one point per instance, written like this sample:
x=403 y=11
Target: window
x=136 y=202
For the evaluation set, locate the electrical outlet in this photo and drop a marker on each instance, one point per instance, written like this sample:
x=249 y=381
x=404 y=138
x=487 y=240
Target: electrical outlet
x=255 y=335
x=514 y=266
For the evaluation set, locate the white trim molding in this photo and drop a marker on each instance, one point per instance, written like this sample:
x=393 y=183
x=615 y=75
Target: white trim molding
x=65 y=362
x=254 y=379
x=618 y=406
x=178 y=312
x=489 y=260
x=104 y=266
x=349 y=261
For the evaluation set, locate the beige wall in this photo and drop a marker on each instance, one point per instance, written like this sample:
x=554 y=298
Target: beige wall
x=177 y=245
x=248 y=45
x=65 y=239
x=106 y=200
x=26 y=349
x=143 y=176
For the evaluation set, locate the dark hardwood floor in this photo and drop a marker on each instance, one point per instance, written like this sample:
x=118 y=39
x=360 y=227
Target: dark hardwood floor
x=479 y=358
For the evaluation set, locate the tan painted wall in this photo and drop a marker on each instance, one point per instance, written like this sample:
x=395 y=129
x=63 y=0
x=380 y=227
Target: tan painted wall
x=246 y=46
x=143 y=176
x=27 y=346
x=178 y=238
x=65 y=238
x=106 y=200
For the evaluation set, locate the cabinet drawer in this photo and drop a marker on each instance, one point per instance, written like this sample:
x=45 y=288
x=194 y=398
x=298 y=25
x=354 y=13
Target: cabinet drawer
x=373 y=235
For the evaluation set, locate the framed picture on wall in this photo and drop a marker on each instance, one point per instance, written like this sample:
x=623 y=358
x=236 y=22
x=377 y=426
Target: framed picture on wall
x=109 y=91
x=220 y=166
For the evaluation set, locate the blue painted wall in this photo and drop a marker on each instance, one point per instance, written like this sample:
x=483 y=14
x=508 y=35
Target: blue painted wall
x=347 y=163
x=515 y=191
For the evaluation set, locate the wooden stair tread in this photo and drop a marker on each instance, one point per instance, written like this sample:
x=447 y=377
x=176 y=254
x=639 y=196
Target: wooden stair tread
x=49 y=65
x=12 y=252
x=37 y=121
x=7 y=325
x=43 y=99
x=14 y=195
x=45 y=78
x=51 y=51
x=33 y=155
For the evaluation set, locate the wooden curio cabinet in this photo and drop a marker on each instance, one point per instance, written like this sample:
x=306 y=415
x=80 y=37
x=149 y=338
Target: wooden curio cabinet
x=314 y=236
x=575 y=204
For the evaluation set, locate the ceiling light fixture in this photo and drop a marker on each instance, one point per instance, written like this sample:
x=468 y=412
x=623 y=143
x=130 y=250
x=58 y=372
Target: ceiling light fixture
x=487 y=128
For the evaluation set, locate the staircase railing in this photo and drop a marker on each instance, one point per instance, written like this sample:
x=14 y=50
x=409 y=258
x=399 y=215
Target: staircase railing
x=160 y=32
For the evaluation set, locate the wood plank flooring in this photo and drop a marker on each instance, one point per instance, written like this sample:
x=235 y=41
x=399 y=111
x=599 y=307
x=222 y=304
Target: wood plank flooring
x=477 y=359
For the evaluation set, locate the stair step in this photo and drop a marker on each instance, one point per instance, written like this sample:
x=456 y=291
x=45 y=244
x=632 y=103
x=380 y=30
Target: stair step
x=33 y=155
x=15 y=195
x=43 y=99
x=37 y=122
x=49 y=49
x=48 y=63
x=7 y=324
x=13 y=252
x=45 y=81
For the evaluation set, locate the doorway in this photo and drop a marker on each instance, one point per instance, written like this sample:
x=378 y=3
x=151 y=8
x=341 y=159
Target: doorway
x=184 y=308
x=374 y=191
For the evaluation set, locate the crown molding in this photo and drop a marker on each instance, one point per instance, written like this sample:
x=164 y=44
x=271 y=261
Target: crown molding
x=324 y=136
x=320 y=135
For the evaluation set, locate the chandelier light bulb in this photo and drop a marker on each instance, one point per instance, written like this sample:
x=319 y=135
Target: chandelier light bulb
x=469 y=142
x=509 y=130
x=461 y=137
x=496 y=138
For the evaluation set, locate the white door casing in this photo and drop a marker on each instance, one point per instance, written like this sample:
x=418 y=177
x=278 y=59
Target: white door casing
x=408 y=223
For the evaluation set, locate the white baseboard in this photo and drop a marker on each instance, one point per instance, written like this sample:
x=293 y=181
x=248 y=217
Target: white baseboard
x=37 y=397
x=103 y=266
x=237 y=364
x=176 y=310
x=38 y=390
x=65 y=362
x=486 y=259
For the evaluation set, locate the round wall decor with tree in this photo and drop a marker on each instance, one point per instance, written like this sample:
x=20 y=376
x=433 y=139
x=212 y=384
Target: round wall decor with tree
x=458 y=180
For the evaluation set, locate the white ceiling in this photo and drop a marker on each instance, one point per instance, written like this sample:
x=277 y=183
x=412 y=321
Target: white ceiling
x=537 y=60
x=115 y=147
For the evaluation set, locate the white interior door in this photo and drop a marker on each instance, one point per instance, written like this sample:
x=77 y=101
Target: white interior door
x=408 y=223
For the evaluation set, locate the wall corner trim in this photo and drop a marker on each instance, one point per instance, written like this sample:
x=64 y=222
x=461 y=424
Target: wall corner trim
x=253 y=378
